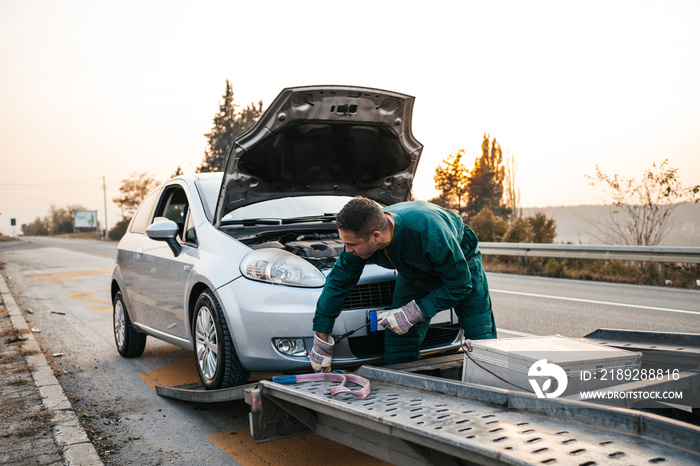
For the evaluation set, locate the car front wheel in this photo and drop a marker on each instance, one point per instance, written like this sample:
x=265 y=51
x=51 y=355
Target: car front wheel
x=130 y=343
x=217 y=362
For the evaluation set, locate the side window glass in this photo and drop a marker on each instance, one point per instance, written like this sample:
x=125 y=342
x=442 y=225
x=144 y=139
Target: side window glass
x=174 y=206
x=190 y=233
x=143 y=216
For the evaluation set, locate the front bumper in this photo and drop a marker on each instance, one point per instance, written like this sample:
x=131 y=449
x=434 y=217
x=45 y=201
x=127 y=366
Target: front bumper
x=258 y=312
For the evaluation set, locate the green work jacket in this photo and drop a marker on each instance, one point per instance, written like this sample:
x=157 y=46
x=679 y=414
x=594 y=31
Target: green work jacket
x=430 y=247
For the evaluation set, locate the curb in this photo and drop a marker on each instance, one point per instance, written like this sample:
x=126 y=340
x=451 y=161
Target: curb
x=67 y=431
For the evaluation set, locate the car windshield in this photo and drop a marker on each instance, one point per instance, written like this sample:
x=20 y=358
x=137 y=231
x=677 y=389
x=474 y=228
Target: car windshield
x=289 y=208
x=274 y=209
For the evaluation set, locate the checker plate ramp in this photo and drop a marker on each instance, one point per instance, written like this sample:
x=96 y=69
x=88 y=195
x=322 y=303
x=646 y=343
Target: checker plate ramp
x=423 y=416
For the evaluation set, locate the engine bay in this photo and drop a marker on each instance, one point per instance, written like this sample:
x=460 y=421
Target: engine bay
x=320 y=248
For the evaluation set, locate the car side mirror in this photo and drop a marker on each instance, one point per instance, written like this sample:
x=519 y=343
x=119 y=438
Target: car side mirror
x=165 y=230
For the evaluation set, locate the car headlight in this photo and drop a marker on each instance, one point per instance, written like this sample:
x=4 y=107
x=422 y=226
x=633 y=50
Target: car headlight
x=281 y=267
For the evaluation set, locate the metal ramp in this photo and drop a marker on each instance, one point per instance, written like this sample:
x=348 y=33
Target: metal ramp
x=198 y=394
x=417 y=419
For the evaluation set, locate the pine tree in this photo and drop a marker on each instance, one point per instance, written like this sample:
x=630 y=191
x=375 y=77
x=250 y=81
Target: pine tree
x=228 y=125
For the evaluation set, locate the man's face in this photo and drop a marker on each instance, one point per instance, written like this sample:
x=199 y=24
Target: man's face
x=359 y=245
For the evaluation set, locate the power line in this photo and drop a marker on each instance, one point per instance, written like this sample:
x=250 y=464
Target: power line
x=49 y=184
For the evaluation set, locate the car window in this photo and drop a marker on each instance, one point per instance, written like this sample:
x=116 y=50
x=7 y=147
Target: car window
x=174 y=206
x=144 y=215
x=290 y=207
x=190 y=232
x=208 y=189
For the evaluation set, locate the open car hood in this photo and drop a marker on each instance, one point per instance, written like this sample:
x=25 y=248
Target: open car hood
x=324 y=140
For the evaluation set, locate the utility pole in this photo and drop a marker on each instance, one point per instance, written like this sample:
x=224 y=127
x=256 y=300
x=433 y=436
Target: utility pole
x=104 y=191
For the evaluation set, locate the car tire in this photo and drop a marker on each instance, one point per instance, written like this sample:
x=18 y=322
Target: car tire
x=130 y=343
x=215 y=356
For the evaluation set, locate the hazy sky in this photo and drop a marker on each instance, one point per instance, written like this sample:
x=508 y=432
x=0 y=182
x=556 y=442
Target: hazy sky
x=91 y=89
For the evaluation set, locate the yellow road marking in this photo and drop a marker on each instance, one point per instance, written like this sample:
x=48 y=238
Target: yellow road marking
x=79 y=295
x=62 y=277
x=100 y=308
x=179 y=373
x=307 y=450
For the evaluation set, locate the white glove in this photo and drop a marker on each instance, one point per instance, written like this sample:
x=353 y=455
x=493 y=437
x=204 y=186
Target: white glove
x=402 y=319
x=322 y=354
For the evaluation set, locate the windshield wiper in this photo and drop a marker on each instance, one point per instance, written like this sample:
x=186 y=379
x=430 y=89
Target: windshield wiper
x=311 y=218
x=253 y=221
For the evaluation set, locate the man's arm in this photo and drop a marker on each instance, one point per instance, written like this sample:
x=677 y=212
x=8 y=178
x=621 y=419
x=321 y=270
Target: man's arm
x=343 y=277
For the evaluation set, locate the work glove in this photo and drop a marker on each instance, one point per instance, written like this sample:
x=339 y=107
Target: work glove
x=322 y=354
x=402 y=319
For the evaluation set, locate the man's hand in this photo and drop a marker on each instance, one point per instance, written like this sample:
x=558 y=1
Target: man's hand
x=402 y=319
x=322 y=352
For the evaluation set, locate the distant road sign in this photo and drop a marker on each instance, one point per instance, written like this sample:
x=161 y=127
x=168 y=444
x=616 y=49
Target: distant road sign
x=85 y=219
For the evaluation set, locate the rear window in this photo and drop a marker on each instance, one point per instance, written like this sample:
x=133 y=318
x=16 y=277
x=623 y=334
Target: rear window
x=145 y=213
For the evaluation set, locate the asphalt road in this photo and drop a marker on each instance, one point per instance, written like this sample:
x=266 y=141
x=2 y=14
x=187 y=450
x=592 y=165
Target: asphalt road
x=65 y=283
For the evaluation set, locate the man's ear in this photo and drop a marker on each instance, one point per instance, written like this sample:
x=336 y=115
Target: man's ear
x=375 y=235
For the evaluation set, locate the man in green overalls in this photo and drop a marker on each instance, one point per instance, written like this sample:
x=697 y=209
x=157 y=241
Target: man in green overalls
x=439 y=267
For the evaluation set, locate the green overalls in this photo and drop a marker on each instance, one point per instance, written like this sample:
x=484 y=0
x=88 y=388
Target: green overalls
x=439 y=266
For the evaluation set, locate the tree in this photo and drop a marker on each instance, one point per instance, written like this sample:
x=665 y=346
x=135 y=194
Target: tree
x=640 y=211
x=119 y=229
x=134 y=190
x=519 y=232
x=487 y=226
x=178 y=172
x=485 y=187
x=542 y=229
x=39 y=227
x=451 y=178
x=60 y=220
x=228 y=125
x=536 y=228
x=512 y=192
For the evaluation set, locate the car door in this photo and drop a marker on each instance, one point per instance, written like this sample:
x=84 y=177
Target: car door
x=129 y=255
x=163 y=276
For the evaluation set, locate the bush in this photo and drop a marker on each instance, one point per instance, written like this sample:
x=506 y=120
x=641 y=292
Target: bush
x=119 y=229
x=487 y=226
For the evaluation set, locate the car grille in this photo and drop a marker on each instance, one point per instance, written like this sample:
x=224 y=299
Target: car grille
x=373 y=345
x=370 y=295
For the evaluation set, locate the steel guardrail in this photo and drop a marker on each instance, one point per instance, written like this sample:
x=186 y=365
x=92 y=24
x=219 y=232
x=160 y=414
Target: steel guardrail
x=672 y=254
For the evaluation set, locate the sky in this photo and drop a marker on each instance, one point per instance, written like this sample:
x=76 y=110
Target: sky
x=92 y=90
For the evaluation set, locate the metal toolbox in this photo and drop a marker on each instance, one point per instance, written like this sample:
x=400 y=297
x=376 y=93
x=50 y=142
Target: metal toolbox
x=532 y=363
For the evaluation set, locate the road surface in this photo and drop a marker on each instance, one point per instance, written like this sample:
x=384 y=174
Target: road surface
x=65 y=284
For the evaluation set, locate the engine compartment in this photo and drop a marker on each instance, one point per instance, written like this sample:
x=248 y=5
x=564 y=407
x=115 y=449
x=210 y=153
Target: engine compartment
x=320 y=248
x=320 y=252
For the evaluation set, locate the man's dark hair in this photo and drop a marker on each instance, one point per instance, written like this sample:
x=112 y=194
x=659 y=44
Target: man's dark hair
x=362 y=216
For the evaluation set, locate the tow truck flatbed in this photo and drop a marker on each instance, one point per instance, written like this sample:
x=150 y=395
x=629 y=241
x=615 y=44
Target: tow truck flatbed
x=418 y=419
x=418 y=413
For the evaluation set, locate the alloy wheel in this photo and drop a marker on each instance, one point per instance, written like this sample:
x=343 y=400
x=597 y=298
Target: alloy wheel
x=119 y=323
x=206 y=343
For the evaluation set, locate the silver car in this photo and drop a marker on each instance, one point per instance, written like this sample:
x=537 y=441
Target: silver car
x=231 y=264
